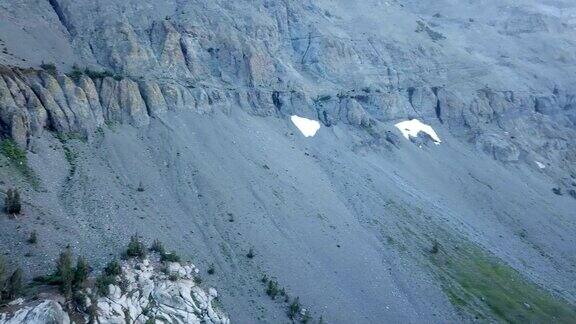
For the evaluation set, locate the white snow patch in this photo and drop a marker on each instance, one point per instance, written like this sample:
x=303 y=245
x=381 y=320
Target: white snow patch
x=308 y=127
x=540 y=164
x=411 y=128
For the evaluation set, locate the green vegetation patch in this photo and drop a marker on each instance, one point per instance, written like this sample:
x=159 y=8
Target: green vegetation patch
x=18 y=159
x=483 y=286
x=11 y=150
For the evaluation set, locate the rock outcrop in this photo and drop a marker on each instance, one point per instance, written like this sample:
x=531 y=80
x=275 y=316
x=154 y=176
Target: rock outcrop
x=148 y=291
x=48 y=311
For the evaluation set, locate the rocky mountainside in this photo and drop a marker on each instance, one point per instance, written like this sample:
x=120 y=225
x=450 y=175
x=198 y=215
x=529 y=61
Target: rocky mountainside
x=150 y=292
x=172 y=119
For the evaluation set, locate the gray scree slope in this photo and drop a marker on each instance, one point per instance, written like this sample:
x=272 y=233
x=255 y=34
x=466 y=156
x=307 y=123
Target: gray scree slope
x=195 y=104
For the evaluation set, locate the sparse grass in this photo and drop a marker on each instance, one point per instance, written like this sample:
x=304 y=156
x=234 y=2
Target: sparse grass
x=11 y=150
x=65 y=137
x=170 y=257
x=18 y=159
x=157 y=247
x=70 y=154
x=136 y=248
x=273 y=289
x=77 y=73
x=483 y=286
x=49 y=67
x=100 y=74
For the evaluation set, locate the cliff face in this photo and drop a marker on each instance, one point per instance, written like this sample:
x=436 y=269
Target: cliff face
x=193 y=99
x=494 y=73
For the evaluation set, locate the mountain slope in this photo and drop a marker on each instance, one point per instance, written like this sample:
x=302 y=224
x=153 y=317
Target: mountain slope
x=193 y=100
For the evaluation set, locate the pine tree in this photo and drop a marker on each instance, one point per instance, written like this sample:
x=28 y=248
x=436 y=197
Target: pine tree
x=93 y=310
x=12 y=203
x=14 y=284
x=80 y=273
x=294 y=308
x=2 y=271
x=33 y=239
x=64 y=272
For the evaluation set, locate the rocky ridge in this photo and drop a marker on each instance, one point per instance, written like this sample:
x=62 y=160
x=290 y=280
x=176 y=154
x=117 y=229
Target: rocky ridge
x=509 y=127
x=151 y=291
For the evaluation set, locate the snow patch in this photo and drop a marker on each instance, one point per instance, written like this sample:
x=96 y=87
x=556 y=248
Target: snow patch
x=307 y=127
x=540 y=164
x=411 y=128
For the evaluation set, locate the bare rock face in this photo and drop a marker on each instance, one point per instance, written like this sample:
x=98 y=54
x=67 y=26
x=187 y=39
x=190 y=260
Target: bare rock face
x=498 y=147
x=150 y=291
x=132 y=104
x=46 y=312
x=170 y=295
x=153 y=97
x=13 y=120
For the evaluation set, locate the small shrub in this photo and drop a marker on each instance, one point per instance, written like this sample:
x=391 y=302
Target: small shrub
x=140 y=187
x=79 y=299
x=272 y=289
x=17 y=157
x=435 y=247
x=136 y=248
x=197 y=280
x=170 y=257
x=113 y=268
x=211 y=269
x=294 y=308
x=250 y=254
x=98 y=74
x=33 y=239
x=14 y=284
x=75 y=74
x=12 y=203
x=48 y=67
x=157 y=247
x=323 y=98
x=306 y=317
x=123 y=283
x=103 y=284
x=264 y=279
